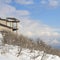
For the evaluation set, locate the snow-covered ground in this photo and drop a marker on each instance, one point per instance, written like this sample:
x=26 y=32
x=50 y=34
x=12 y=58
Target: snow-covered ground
x=10 y=52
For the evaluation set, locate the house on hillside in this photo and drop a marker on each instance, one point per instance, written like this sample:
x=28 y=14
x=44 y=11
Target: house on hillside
x=9 y=24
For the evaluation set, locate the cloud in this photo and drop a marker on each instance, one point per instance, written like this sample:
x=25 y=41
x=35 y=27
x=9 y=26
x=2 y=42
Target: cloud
x=51 y=3
x=5 y=1
x=7 y=10
x=35 y=29
x=55 y=43
x=24 y=2
x=38 y=29
x=43 y=2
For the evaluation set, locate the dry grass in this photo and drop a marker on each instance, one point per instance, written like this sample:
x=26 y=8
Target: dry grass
x=24 y=42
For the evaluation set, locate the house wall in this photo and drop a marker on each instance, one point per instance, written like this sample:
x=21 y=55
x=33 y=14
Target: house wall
x=9 y=24
x=4 y=28
x=3 y=22
x=6 y=23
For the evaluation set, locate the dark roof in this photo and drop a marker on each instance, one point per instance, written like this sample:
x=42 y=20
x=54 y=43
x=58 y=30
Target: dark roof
x=10 y=20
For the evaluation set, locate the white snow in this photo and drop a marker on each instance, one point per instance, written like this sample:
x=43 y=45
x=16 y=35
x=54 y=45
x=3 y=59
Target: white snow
x=9 y=52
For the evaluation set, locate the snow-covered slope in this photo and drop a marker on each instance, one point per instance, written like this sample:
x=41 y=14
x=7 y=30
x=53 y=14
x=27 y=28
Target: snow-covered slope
x=9 y=52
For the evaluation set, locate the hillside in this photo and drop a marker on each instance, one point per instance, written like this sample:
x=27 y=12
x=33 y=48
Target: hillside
x=10 y=52
x=23 y=48
x=25 y=42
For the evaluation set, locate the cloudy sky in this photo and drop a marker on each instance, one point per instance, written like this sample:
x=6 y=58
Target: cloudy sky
x=39 y=18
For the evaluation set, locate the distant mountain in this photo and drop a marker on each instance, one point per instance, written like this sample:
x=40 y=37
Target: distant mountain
x=57 y=47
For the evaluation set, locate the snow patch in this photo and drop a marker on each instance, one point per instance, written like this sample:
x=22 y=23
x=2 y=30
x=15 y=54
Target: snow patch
x=11 y=53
